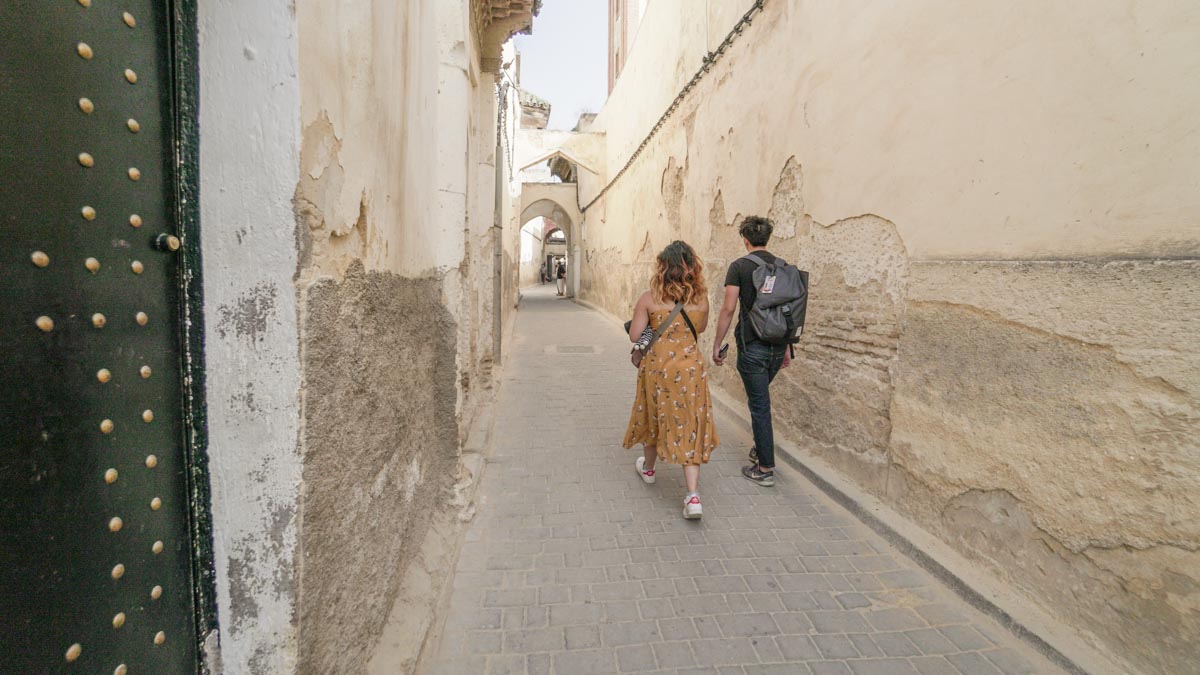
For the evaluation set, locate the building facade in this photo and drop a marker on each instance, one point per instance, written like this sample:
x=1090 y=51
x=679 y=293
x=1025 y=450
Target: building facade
x=357 y=290
x=999 y=216
x=624 y=16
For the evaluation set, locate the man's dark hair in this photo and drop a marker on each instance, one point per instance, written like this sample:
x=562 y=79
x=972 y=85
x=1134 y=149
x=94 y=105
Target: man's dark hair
x=756 y=230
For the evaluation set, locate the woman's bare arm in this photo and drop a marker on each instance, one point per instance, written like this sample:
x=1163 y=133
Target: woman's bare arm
x=703 y=310
x=641 y=317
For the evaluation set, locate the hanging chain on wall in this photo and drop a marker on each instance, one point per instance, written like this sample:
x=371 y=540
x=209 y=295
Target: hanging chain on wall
x=709 y=59
x=502 y=123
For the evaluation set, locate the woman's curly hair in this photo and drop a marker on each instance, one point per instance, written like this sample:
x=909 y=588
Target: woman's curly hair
x=679 y=277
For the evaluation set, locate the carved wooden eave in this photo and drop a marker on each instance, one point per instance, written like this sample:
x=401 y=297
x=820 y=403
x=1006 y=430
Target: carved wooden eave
x=498 y=20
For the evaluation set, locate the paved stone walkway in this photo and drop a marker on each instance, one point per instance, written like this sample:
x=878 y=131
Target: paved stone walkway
x=572 y=565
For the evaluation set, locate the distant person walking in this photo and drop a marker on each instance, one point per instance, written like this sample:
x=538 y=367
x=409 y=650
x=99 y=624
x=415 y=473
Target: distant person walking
x=542 y=278
x=560 y=274
x=672 y=411
x=765 y=332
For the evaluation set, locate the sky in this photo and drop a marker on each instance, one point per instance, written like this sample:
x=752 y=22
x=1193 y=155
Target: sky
x=565 y=61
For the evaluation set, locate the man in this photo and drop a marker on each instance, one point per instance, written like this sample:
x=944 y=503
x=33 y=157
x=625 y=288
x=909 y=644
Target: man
x=757 y=362
x=561 y=274
x=542 y=278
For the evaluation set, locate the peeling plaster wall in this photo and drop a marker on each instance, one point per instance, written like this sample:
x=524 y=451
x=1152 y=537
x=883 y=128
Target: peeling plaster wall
x=1053 y=131
x=998 y=207
x=369 y=82
x=248 y=172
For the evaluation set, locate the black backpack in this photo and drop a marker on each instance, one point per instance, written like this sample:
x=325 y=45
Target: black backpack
x=780 y=302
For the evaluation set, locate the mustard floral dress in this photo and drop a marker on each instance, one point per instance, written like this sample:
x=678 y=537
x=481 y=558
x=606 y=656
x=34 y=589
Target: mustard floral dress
x=672 y=410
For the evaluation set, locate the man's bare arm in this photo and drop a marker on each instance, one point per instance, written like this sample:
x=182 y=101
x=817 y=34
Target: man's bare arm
x=728 y=309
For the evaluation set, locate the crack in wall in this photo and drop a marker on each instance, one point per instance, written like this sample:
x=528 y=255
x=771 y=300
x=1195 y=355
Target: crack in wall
x=672 y=189
x=1064 y=398
x=995 y=525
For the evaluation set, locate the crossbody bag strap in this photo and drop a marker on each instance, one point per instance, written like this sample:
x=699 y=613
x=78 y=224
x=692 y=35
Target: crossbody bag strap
x=662 y=327
x=691 y=327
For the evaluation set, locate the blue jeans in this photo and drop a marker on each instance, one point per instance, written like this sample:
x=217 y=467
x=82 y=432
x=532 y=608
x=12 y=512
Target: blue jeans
x=758 y=363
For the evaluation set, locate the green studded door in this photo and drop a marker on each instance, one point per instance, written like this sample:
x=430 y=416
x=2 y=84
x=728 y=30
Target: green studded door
x=98 y=558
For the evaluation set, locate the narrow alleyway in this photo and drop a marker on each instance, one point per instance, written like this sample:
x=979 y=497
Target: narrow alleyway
x=572 y=565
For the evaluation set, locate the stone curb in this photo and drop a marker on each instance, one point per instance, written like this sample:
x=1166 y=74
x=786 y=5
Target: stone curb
x=986 y=594
x=473 y=457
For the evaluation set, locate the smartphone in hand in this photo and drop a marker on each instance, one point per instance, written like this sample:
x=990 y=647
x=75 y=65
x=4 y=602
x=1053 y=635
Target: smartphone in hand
x=724 y=349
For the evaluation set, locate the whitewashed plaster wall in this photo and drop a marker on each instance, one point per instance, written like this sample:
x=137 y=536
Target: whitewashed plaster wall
x=466 y=189
x=586 y=147
x=249 y=160
x=1031 y=152
x=510 y=201
x=531 y=248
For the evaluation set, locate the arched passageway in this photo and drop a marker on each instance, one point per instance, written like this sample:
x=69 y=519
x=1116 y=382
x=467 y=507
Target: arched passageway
x=543 y=248
x=554 y=204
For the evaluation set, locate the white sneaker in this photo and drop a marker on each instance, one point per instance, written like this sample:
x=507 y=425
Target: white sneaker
x=691 y=507
x=647 y=476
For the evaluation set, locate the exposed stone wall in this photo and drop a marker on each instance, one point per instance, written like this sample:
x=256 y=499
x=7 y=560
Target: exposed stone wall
x=1077 y=403
x=1000 y=338
x=380 y=452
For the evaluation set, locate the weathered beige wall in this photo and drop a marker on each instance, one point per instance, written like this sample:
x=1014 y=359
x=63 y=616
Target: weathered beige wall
x=531 y=239
x=999 y=208
x=510 y=206
x=586 y=149
x=398 y=261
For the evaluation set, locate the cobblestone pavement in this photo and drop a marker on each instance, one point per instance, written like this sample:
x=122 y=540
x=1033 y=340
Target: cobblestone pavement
x=572 y=565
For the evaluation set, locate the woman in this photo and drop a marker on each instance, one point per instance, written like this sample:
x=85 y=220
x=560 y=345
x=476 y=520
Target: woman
x=672 y=413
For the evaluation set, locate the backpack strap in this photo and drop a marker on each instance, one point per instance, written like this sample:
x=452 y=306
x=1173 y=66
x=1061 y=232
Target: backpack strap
x=757 y=260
